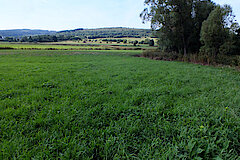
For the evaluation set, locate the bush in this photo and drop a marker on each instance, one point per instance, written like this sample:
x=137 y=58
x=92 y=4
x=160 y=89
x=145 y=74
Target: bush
x=160 y=55
x=228 y=60
x=194 y=58
x=228 y=48
x=135 y=42
x=3 y=48
x=151 y=42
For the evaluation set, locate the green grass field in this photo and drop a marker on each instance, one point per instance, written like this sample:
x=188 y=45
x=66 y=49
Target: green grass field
x=72 y=45
x=44 y=46
x=111 y=105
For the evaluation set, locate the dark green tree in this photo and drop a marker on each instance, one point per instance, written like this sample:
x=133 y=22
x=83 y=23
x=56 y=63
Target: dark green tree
x=54 y=38
x=202 y=9
x=151 y=42
x=177 y=22
x=30 y=39
x=218 y=32
x=135 y=42
x=24 y=39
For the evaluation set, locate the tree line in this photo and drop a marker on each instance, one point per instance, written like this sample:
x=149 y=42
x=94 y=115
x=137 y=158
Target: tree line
x=188 y=27
x=80 y=34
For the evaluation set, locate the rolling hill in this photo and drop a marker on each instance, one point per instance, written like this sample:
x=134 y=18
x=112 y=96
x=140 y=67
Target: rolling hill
x=24 y=32
x=116 y=32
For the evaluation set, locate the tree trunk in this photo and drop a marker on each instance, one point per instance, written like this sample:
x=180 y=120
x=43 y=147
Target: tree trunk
x=184 y=47
x=185 y=50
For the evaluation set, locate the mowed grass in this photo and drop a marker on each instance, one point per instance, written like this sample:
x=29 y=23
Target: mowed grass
x=73 y=105
x=71 y=45
x=45 y=46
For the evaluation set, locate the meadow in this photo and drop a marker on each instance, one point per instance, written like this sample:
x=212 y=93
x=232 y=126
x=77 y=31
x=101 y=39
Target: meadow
x=45 y=46
x=95 y=44
x=112 y=105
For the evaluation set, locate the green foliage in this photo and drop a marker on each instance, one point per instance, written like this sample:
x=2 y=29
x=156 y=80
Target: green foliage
x=17 y=33
x=151 y=42
x=228 y=48
x=117 y=32
x=135 y=42
x=71 y=105
x=182 y=25
x=202 y=58
x=213 y=33
x=232 y=60
x=202 y=10
x=160 y=55
x=218 y=33
x=39 y=38
x=177 y=22
x=10 y=39
x=115 y=40
x=79 y=34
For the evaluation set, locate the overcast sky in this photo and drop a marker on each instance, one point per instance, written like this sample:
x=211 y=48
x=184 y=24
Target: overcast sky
x=71 y=14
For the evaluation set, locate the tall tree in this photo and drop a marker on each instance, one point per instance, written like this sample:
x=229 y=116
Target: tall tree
x=201 y=11
x=219 y=31
x=177 y=22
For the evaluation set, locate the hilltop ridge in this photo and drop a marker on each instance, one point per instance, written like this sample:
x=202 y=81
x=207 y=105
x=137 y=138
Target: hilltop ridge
x=108 y=32
x=25 y=32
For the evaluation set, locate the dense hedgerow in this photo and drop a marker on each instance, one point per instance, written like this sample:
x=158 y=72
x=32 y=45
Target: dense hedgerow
x=232 y=60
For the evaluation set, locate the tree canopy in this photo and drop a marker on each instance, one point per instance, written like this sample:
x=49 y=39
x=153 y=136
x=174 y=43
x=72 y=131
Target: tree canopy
x=177 y=22
x=219 y=31
x=194 y=30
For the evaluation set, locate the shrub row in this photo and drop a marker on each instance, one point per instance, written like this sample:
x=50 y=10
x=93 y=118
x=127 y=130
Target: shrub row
x=194 y=58
x=1 y=48
x=114 y=48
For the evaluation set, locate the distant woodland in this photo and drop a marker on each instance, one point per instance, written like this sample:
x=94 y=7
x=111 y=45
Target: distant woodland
x=79 y=34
